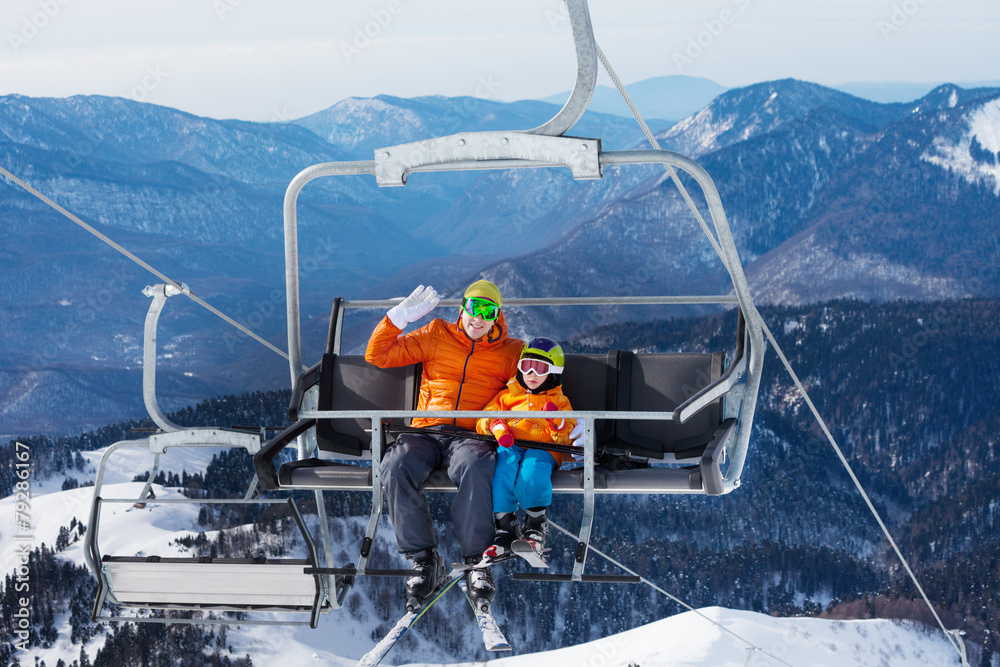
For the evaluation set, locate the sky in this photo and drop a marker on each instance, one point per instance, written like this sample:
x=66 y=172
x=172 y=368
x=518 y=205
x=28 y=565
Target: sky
x=269 y=60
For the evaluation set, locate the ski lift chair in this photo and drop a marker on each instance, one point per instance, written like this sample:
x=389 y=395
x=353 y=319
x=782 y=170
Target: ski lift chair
x=690 y=414
x=691 y=387
x=204 y=584
x=342 y=406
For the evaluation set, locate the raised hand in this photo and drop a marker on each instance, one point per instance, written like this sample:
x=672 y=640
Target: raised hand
x=412 y=308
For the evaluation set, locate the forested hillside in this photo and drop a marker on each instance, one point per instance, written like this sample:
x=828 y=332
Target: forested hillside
x=909 y=390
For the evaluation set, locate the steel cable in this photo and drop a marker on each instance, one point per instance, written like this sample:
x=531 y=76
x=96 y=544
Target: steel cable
x=145 y=265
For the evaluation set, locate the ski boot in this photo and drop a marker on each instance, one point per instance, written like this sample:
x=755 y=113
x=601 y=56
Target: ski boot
x=536 y=527
x=508 y=529
x=428 y=574
x=479 y=584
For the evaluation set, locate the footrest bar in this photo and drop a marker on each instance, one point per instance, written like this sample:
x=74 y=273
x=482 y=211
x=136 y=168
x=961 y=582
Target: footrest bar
x=353 y=571
x=587 y=578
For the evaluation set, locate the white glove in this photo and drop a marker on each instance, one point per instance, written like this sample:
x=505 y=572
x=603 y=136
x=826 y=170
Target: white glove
x=578 y=457
x=413 y=307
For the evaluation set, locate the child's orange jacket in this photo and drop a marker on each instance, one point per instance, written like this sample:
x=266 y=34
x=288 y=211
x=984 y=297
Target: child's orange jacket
x=515 y=397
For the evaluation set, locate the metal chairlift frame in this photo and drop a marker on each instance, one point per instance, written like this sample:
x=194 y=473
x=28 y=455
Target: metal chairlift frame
x=542 y=147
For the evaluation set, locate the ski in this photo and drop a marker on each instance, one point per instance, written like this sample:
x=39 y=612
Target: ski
x=486 y=561
x=493 y=637
x=375 y=656
x=526 y=550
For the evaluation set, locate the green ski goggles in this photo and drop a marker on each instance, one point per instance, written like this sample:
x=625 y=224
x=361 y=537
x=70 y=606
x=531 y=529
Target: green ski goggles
x=479 y=307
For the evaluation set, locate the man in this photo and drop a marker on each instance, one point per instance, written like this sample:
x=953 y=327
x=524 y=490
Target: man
x=465 y=363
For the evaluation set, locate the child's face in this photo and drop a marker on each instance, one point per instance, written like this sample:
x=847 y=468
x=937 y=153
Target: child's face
x=532 y=380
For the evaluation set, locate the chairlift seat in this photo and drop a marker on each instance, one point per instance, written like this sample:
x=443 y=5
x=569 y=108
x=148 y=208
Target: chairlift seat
x=218 y=584
x=351 y=383
x=662 y=382
x=209 y=584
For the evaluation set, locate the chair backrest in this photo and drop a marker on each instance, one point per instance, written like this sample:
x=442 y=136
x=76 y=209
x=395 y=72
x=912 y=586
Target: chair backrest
x=616 y=381
x=590 y=382
x=351 y=383
x=661 y=382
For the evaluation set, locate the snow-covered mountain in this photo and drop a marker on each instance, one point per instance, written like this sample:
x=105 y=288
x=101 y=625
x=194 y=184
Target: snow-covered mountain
x=972 y=149
x=828 y=196
x=360 y=125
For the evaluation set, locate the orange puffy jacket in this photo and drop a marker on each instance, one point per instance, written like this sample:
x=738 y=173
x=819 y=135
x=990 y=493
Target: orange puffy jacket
x=516 y=397
x=458 y=373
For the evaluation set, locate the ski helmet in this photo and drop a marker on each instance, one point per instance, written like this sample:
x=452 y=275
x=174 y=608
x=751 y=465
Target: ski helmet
x=548 y=351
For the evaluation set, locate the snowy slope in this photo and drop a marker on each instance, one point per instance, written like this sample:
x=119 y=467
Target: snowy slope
x=974 y=154
x=712 y=637
x=127 y=530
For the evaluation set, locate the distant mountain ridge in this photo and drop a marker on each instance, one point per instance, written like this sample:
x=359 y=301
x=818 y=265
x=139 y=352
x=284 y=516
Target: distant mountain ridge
x=678 y=96
x=887 y=92
x=828 y=195
x=360 y=125
x=668 y=98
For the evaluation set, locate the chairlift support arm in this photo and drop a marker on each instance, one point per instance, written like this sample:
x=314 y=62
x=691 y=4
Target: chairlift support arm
x=159 y=293
x=586 y=72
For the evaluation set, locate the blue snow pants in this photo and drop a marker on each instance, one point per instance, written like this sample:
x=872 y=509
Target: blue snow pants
x=523 y=477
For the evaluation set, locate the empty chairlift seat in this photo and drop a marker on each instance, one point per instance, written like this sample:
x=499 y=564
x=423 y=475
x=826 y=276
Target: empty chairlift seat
x=661 y=383
x=345 y=383
x=210 y=584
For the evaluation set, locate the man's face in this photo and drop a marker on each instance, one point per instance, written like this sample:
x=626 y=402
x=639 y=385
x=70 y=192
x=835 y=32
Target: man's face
x=475 y=327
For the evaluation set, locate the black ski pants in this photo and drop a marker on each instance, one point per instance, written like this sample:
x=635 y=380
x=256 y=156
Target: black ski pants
x=469 y=464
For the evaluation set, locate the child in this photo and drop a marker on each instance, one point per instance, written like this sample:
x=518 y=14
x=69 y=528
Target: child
x=524 y=476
